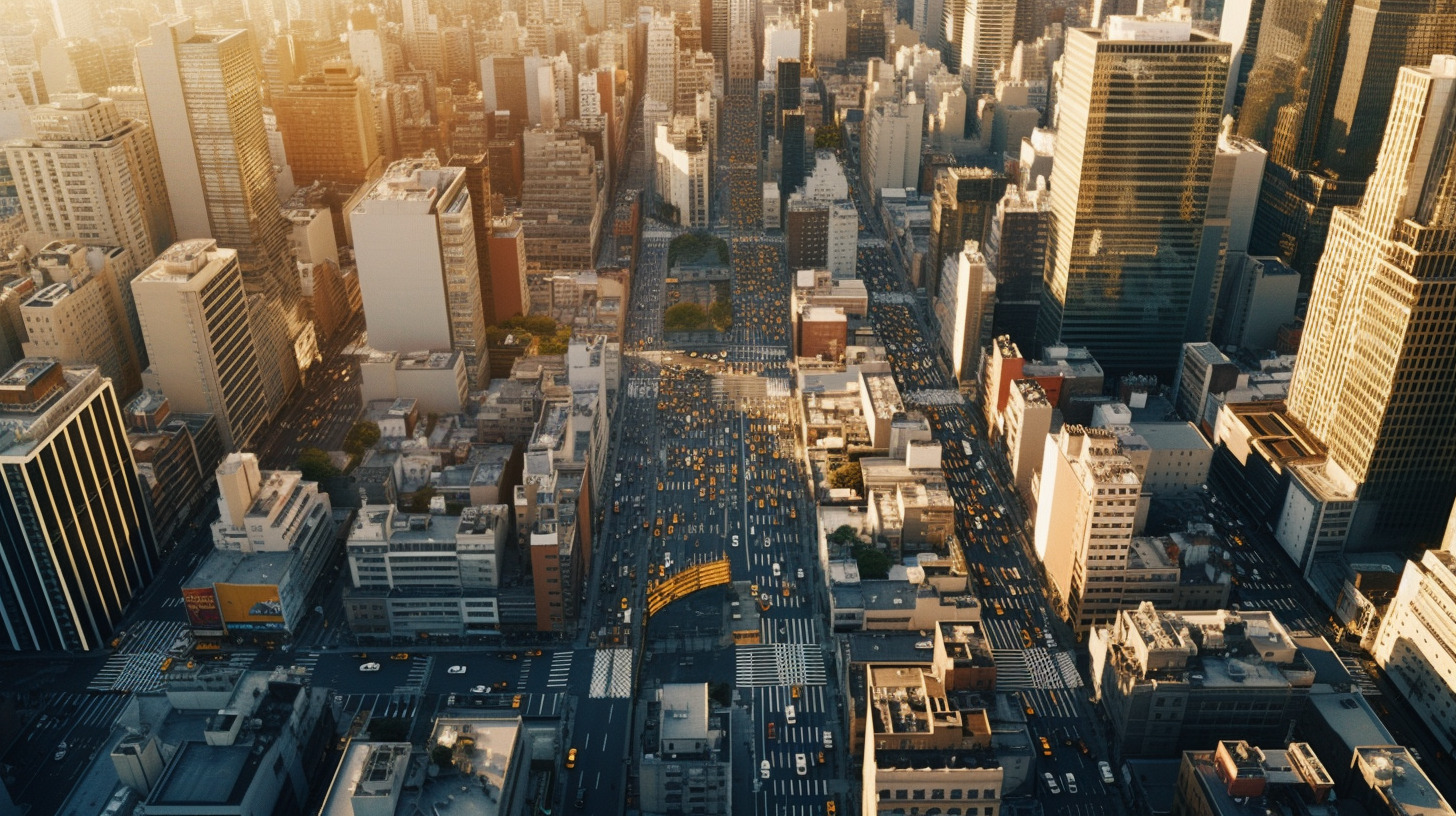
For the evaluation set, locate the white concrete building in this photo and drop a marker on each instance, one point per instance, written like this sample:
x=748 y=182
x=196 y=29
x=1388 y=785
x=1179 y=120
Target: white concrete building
x=890 y=144
x=662 y=59
x=414 y=243
x=963 y=310
x=683 y=170
x=780 y=41
x=92 y=176
x=842 y=254
x=1086 y=514
x=1414 y=645
x=200 y=340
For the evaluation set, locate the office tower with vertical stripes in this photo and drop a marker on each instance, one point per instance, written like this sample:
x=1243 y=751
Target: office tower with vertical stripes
x=1377 y=362
x=76 y=543
x=1138 y=125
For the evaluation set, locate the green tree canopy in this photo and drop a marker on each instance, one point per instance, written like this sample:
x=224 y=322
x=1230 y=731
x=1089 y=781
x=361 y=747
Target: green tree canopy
x=697 y=247
x=874 y=564
x=363 y=436
x=844 y=535
x=721 y=313
x=316 y=466
x=684 y=317
x=848 y=475
x=827 y=138
x=442 y=756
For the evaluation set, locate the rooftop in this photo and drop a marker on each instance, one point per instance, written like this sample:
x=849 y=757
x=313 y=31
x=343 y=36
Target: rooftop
x=1399 y=780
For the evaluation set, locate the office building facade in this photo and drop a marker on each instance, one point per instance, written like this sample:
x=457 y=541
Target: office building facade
x=76 y=544
x=1138 y=128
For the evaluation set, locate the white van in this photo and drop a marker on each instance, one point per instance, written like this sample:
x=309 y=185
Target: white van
x=789 y=716
x=777 y=571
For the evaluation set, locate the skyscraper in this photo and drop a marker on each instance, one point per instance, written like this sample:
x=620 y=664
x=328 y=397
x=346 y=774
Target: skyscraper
x=92 y=175
x=561 y=201
x=414 y=243
x=77 y=316
x=682 y=170
x=987 y=37
x=347 y=150
x=1317 y=97
x=206 y=110
x=661 y=80
x=200 y=337
x=76 y=544
x=1377 y=362
x=961 y=206
x=1138 y=124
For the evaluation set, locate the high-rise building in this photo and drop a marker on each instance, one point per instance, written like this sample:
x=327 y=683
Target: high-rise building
x=661 y=80
x=73 y=18
x=963 y=310
x=683 y=170
x=961 y=209
x=890 y=144
x=74 y=65
x=987 y=37
x=742 y=62
x=1317 y=96
x=1138 y=124
x=791 y=142
x=77 y=317
x=346 y=151
x=1410 y=645
x=508 y=267
x=561 y=199
x=1015 y=252
x=827 y=35
x=1377 y=361
x=1085 y=516
x=76 y=540
x=414 y=243
x=206 y=111
x=200 y=338
x=92 y=176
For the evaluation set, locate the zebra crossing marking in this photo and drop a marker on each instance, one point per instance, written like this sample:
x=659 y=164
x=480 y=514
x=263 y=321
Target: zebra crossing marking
x=779 y=664
x=611 y=674
x=560 y=669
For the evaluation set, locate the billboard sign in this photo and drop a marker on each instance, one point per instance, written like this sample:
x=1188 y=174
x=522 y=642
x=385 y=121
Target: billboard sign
x=202 y=610
x=251 y=607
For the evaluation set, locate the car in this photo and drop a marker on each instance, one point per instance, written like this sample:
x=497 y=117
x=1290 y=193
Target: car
x=61 y=750
x=801 y=765
x=794 y=692
x=516 y=701
x=581 y=797
x=571 y=759
x=830 y=807
x=478 y=689
x=624 y=602
x=789 y=715
x=533 y=653
x=400 y=656
x=770 y=731
x=821 y=757
x=500 y=685
x=777 y=570
x=799 y=573
x=455 y=670
x=1046 y=746
x=1071 y=783
x=1051 y=783
x=764 y=769
x=361 y=655
x=510 y=656
x=369 y=667
x=828 y=739
x=1084 y=747
x=1106 y=770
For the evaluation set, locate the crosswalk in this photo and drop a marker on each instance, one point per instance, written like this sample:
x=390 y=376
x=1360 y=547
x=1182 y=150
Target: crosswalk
x=76 y=710
x=780 y=664
x=419 y=672
x=1012 y=672
x=1036 y=668
x=137 y=664
x=611 y=674
x=397 y=704
x=560 y=669
x=793 y=630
